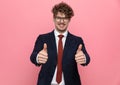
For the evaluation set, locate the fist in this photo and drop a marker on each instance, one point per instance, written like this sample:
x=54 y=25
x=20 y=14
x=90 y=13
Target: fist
x=43 y=55
x=80 y=56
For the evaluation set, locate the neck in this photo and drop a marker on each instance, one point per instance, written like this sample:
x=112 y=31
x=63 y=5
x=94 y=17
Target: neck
x=61 y=31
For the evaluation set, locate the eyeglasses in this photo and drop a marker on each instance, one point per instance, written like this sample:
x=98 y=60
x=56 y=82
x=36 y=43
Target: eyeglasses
x=62 y=18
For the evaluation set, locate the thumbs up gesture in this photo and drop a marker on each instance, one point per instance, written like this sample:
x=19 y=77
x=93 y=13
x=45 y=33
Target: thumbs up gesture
x=80 y=56
x=43 y=55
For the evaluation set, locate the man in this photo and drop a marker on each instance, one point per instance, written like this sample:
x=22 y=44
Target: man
x=59 y=52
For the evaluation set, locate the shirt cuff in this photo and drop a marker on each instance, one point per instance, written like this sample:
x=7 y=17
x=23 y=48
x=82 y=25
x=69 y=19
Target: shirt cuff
x=37 y=58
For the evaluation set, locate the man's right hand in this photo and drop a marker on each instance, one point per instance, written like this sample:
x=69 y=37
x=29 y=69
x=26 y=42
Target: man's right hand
x=43 y=55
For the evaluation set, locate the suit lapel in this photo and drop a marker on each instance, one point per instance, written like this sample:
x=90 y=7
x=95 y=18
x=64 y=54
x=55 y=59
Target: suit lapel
x=53 y=46
x=68 y=44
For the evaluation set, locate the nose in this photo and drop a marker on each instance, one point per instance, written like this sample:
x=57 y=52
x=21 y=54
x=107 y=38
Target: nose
x=62 y=20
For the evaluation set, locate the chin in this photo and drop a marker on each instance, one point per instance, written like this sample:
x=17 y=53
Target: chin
x=61 y=30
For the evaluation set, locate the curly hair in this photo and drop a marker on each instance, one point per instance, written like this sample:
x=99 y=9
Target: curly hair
x=64 y=8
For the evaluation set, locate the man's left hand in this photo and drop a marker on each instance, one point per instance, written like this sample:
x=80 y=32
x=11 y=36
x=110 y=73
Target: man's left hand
x=80 y=56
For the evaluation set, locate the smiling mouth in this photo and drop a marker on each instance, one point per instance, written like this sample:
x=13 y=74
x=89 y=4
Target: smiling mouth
x=61 y=25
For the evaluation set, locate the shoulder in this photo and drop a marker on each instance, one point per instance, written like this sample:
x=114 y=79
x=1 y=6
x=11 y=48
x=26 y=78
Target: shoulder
x=75 y=37
x=45 y=35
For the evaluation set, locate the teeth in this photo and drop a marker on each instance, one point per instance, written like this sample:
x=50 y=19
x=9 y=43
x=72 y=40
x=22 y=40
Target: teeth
x=61 y=25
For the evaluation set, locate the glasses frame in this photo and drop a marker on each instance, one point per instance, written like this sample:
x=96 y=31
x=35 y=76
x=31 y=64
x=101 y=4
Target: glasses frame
x=62 y=18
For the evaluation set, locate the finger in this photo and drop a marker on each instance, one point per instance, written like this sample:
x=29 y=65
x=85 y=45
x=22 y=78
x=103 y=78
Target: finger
x=81 y=61
x=80 y=53
x=42 y=56
x=80 y=58
x=42 y=59
x=45 y=47
x=79 y=48
x=43 y=53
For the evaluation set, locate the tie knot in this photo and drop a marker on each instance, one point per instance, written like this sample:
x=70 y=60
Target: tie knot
x=60 y=36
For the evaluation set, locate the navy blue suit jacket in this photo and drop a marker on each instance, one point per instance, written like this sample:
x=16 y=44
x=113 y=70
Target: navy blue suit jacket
x=69 y=64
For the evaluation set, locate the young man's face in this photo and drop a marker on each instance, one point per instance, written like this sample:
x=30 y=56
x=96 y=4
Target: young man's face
x=61 y=22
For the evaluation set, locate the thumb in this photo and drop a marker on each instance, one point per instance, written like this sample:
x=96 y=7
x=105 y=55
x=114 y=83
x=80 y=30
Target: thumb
x=79 y=48
x=45 y=47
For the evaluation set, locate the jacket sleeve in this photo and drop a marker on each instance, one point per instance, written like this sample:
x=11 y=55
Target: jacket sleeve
x=86 y=53
x=37 y=47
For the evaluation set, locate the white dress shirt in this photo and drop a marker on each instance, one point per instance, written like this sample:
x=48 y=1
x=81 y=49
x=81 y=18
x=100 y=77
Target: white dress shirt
x=56 y=33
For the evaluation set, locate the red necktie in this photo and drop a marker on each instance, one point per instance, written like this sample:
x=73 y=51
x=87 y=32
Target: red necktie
x=60 y=54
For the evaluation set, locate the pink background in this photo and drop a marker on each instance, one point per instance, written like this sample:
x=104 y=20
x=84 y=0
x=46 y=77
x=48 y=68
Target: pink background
x=97 y=21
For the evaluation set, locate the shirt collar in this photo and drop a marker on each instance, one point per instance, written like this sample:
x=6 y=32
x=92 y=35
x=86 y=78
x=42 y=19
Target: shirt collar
x=57 y=33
